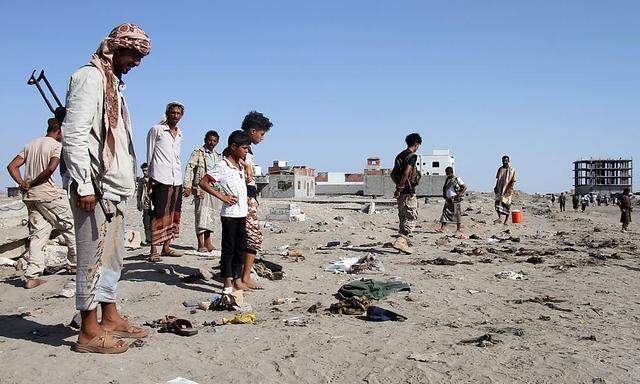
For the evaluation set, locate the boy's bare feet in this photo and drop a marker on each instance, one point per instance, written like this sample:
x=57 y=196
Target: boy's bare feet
x=252 y=284
x=32 y=283
x=238 y=284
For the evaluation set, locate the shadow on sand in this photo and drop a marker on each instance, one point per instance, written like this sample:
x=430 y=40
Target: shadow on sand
x=17 y=327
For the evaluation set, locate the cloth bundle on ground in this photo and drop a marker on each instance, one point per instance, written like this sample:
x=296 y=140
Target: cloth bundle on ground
x=268 y=269
x=356 y=305
x=373 y=289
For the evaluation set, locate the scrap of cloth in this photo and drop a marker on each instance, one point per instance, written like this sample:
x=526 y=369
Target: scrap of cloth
x=128 y=36
x=504 y=177
x=373 y=289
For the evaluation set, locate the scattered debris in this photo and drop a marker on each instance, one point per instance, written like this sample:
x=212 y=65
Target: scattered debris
x=486 y=340
x=510 y=275
x=298 y=321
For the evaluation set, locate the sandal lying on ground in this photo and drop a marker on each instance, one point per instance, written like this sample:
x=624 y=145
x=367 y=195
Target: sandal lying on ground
x=104 y=343
x=154 y=258
x=132 y=332
x=172 y=253
x=180 y=327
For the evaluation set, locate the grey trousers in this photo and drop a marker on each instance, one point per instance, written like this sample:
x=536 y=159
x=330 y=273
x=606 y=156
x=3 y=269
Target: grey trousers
x=100 y=252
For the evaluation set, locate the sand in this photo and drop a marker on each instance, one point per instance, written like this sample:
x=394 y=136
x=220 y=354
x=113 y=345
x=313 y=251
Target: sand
x=589 y=336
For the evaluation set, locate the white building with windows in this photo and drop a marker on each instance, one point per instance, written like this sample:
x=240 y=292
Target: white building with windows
x=436 y=162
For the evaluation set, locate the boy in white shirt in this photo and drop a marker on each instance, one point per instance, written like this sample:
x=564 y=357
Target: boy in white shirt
x=229 y=174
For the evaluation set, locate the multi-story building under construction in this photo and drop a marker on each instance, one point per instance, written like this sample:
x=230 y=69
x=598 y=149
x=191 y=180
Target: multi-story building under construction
x=604 y=176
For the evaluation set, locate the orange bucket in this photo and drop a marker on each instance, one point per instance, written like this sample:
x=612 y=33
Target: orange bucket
x=516 y=217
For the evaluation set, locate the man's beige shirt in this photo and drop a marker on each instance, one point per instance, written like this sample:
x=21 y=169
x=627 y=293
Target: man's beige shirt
x=37 y=155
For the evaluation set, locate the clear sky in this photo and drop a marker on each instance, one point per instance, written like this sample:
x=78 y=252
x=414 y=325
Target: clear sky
x=547 y=82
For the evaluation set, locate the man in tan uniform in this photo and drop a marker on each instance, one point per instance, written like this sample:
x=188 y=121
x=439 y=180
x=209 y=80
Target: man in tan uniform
x=48 y=210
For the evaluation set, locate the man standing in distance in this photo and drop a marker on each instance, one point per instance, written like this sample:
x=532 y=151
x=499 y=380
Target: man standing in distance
x=202 y=161
x=505 y=179
x=164 y=143
x=98 y=151
x=406 y=177
x=256 y=125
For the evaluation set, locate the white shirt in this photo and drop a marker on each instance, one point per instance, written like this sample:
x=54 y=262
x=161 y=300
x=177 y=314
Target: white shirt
x=82 y=132
x=451 y=193
x=232 y=182
x=163 y=155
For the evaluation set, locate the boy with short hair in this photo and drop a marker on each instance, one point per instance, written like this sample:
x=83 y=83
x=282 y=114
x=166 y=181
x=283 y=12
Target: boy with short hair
x=406 y=177
x=229 y=174
x=255 y=125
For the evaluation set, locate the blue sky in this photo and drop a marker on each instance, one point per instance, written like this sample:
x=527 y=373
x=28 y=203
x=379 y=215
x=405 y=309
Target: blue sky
x=546 y=82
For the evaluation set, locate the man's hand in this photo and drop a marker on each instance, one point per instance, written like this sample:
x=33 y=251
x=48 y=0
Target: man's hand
x=87 y=203
x=187 y=192
x=24 y=186
x=396 y=194
x=229 y=200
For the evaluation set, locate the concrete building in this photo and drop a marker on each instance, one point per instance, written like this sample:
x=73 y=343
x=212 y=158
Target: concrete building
x=603 y=176
x=339 y=183
x=436 y=162
x=285 y=181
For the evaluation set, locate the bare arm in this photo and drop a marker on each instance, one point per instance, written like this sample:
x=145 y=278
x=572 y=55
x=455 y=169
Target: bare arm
x=404 y=180
x=463 y=190
x=14 y=171
x=46 y=174
x=205 y=184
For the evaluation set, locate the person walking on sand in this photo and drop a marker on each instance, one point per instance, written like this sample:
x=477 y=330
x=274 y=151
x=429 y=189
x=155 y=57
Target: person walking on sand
x=406 y=177
x=452 y=191
x=626 y=207
x=47 y=209
x=562 y=199
x=575 y=200
x=505 y=180
x=207 y=208
x=100 y=159
x=584 y=202
x=164 y=142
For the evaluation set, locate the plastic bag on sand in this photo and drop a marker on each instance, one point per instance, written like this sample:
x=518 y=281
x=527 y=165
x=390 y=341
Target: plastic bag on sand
x=241 y=318
x=181 y=380
x=343 y=265
x=510 y=275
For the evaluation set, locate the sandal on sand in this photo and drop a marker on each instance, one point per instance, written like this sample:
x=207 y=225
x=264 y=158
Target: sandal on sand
x=131 y=332
x=180 y=327
x=154 y=258
x=173 y=253
x=104 y=343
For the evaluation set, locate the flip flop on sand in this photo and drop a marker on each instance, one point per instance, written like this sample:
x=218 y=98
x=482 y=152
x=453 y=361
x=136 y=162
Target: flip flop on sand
x=154 y=258
x=132 y=332
x=180 y=327
x=104 y=343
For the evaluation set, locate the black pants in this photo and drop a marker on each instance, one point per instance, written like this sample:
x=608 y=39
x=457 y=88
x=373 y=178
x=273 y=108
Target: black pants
x=234 y=240
x=561 y=207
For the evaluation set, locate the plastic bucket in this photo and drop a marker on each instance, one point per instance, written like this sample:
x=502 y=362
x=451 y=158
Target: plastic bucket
x=516 y=217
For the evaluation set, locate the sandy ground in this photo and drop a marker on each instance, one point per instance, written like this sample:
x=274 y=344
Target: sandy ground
x=591 y=336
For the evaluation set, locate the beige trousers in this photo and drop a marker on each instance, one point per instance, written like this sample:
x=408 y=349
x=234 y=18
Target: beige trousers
x=44 y=217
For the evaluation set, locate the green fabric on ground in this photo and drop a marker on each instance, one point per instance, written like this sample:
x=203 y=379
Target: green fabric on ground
x=373 y=289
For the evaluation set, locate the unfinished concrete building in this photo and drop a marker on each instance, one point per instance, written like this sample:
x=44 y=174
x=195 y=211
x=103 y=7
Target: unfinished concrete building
x=285 y=181
x=604 y=176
